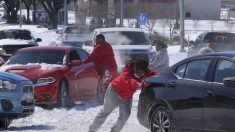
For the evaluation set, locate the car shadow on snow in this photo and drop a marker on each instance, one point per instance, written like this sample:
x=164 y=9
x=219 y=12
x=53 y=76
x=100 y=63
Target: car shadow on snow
x=33 y=127
x=86 y=105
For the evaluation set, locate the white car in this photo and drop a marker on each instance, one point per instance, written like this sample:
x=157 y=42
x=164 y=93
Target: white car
x=72 y=35
x=13 y=39
x=127 y=43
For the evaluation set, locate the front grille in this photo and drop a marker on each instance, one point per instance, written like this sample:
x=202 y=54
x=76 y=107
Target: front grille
x=11 y=49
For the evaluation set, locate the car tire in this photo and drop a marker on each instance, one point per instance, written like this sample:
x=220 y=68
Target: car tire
x=161 y=120
x=62 y=97
x=5 y=123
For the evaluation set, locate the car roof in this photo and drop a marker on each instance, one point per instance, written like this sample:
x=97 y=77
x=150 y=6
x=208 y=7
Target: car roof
x=49 y=48
x=15 y=29
x=227 y=53
x=119 y=29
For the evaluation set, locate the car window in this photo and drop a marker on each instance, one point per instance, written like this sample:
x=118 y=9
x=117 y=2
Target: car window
x=219 y=38
x=224 y=68
x=180 y=70
x=126 y=38
x=76 y=30
x=73 y=55
x=83 y=55
x=197 y=69
x=93 y=36
x=38 y=56
x=198 y=40
x=15 y=34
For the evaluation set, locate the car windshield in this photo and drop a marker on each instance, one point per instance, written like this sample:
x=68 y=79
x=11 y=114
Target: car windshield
x=126 y=38
x=76 y=30
x=38 y=56
x=15 y=34
x=220 y=38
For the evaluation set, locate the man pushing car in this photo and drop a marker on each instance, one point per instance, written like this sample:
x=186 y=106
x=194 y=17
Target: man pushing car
x=120 y=92
x=103 y=58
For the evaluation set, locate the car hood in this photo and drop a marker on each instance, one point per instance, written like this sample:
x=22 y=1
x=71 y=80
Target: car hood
x=32 y=72
x=14 y=42
x=147 y=48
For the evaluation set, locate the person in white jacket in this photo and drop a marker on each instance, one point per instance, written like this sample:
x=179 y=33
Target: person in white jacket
x=160 y=60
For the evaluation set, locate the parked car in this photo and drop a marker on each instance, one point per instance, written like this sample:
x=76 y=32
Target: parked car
x=57 y=73
x=196 y=94
x=16 y=98
x=72 y=35
x=13 y=39
x=127 y=43
x=217 y=41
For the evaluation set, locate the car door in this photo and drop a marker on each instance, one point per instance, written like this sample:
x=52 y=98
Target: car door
x=185 y=93
x=219 y=103
x=86 y=78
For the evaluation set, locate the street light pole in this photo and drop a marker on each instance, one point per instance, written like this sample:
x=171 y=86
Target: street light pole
x=20 y=19
x=182 y=26
x=65 y=12
x=121 y=13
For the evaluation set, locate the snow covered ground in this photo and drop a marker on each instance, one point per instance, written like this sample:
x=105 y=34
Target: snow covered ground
x=78 y=118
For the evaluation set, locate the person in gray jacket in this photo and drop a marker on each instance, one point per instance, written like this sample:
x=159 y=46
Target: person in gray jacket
x=160 y=60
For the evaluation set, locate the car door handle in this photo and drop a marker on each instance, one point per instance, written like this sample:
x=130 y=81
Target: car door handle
x=210 y=93
x=171 y=85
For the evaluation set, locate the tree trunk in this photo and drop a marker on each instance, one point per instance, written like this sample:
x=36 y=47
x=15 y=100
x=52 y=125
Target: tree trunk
x=28 y=14
x=12 y=17
x=53 y=16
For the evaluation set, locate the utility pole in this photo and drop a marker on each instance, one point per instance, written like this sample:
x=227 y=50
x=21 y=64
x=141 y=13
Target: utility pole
x=20 y=20
x=121 y=13
x=111 y=14
x=65 y=12
x=182 y=26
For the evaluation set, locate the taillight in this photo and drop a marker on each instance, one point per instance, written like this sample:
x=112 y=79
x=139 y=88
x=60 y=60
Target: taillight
x=210 y=46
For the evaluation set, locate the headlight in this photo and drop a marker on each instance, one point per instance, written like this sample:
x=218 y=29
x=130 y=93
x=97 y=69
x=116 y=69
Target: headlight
x=47 y=80
x=6 y=85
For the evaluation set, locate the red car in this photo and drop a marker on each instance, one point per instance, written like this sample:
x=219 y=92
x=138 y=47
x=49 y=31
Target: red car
x=57 y=73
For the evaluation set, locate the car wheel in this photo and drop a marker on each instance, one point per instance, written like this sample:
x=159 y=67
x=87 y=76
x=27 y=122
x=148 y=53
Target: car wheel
x=63 y=94
x=4 y=123
x=161 y=120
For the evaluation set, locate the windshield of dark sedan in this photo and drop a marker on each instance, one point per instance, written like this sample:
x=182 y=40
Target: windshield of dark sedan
x=126 y=38
x=38 y=56
x=15 y=34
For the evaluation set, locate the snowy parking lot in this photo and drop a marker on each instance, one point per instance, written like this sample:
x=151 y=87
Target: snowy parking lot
x=77 y=118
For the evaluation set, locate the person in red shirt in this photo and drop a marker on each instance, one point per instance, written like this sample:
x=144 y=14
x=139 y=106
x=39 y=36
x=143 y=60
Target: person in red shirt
x=120 y=92
x=104 y=60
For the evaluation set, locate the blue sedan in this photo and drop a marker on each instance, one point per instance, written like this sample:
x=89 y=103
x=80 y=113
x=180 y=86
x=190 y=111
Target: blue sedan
x=16 y=98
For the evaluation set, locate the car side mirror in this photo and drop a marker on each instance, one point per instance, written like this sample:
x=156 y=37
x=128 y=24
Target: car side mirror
x=88 y=43
x=38 y=39
x=75 y=63
x=229 y=82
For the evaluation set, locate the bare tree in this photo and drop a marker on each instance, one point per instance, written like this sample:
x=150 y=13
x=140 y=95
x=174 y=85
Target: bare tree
x=170 y=23
x=35 y=4
x=229 y=24
x=28 y=3
x=11 y=7
x=52 y=8
x=163 y=25
x=211 y=22
x=150 y=25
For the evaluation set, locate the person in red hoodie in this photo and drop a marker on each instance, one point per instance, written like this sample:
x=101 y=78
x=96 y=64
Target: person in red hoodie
x=120 y=92
x=104 y=60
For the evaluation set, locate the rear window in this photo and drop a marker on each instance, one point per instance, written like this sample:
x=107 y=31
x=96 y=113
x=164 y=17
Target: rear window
x=219 y=38
x=76 y=30
x=126 y=38
x=15 y=34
